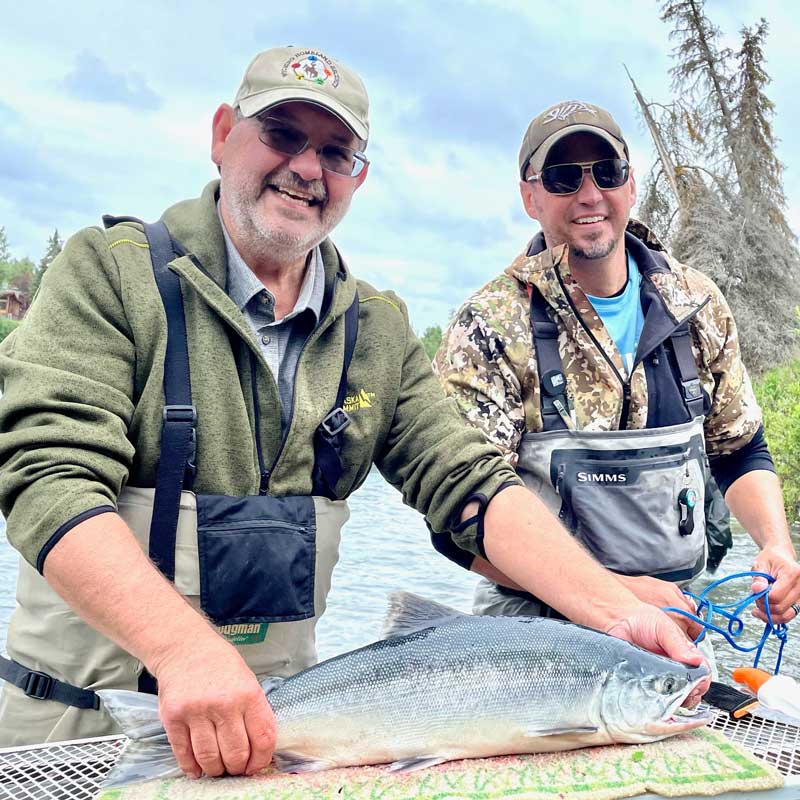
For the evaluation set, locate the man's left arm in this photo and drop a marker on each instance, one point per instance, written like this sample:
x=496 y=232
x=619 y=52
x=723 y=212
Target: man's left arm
x=740 y=459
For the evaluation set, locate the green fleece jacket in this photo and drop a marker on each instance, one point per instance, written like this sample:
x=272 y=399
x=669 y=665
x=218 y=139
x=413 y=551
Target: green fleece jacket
x=80 y=415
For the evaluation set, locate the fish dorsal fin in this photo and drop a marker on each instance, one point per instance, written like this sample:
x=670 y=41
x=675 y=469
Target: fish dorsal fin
x=408 y=613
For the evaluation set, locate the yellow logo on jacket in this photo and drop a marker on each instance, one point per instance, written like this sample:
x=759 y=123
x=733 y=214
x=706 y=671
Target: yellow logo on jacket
x=364 y=399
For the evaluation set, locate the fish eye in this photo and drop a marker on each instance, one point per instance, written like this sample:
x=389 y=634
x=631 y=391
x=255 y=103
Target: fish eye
x=667 y=685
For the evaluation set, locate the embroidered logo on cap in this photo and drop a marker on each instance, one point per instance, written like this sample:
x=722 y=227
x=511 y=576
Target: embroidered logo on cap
x=560 y=113
x=310 y=65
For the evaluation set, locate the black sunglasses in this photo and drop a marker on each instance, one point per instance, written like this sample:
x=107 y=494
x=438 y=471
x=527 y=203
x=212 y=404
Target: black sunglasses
x=610 y=173
x=285 y=138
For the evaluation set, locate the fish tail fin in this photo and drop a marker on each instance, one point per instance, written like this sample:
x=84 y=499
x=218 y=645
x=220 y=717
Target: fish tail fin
x=148 y=754
x=409 y=612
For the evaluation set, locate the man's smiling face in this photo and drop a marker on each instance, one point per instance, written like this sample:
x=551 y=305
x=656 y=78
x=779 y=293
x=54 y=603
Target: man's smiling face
x=278 y=206
x=592 y=222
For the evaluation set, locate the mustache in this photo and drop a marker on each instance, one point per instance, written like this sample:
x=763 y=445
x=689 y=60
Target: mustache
x=287 y=180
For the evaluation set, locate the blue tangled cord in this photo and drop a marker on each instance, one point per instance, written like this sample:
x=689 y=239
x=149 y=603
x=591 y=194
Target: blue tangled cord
x=735 y=624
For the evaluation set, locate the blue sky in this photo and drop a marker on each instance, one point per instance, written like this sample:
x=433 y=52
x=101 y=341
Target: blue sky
x=109 y=110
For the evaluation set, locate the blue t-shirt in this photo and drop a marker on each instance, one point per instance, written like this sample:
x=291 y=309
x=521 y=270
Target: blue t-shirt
x=622 y=315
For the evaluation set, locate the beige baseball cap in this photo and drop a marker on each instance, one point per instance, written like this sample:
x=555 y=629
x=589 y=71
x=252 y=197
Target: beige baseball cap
x=309 y=76
x=562 y=119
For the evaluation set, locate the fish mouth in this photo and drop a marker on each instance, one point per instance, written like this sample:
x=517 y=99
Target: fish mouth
x=677 y=718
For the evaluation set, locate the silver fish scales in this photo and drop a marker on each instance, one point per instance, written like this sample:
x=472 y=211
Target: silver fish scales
x=445 y=685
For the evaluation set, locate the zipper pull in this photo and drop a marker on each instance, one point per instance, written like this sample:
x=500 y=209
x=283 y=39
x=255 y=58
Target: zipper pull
x=262 y=487
x=560 y=478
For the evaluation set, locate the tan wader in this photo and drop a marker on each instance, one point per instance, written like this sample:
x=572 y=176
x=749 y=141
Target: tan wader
x=46 y=635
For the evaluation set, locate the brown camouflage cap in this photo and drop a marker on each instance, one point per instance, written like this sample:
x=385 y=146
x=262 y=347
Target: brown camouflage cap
x=309 y=76
x=562 y=119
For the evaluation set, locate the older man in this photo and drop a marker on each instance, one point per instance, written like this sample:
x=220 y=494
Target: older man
x=604 y=369
x=181 y=428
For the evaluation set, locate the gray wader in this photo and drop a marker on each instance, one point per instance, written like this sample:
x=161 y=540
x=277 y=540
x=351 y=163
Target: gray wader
x=258 y=567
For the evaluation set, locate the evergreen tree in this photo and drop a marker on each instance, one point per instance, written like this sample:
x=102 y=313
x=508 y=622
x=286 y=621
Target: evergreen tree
x=761 y=176
x=717 y=192
x=54 y=247
x=5 y=258
x=703 y=75
x=5 y=253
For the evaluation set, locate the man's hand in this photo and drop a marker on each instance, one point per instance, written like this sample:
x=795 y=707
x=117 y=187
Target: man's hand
x=214 y=711
x=780 y=562
x=663 y=594
x=651 y=629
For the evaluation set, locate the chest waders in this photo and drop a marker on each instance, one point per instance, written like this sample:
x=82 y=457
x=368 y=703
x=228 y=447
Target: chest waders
x=259 y=567
x=633 y=498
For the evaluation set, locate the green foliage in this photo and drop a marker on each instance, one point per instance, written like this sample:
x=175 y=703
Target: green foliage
x=6 y=326
x=778 y=393
x=18 y=274
x=431 y=340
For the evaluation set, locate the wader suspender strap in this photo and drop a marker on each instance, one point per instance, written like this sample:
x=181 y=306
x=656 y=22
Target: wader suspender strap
x=176 y=465
x=328 y=437
x=687 y=367
x=548 y=360
x=41 y=686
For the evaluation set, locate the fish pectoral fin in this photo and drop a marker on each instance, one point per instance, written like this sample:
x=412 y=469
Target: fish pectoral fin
x=270 y=684
x=534 y=732
x=287 y=761
x=409 y=613
x=415 y=763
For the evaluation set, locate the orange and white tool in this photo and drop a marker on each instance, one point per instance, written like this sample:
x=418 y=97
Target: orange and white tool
x=776 y=692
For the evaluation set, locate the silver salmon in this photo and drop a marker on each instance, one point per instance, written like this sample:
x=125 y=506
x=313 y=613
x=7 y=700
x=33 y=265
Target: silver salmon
x=445 y=685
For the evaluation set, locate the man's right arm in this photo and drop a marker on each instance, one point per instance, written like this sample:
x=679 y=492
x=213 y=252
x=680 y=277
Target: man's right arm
x=213 y=709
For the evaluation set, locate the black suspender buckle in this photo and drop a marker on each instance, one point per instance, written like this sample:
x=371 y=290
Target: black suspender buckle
x=335 y=422
x=38 y=685
x=185 y=414
x=692 y=390
x=180 y=414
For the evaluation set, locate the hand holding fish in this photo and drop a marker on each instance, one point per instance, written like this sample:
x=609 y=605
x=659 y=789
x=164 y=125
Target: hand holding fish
x=651 y=629
x=215 y=732
x=663 y=594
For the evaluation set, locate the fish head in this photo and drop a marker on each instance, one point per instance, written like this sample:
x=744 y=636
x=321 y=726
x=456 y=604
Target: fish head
x=642 y=698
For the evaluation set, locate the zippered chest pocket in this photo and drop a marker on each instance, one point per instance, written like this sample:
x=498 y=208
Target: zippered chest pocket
x=629 y=509
x=257 y=558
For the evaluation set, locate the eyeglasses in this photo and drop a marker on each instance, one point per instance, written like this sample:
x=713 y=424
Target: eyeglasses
x=278 y=135
x=610 y=173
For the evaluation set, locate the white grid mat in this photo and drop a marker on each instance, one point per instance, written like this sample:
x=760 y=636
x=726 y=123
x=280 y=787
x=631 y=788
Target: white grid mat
x=75 y=770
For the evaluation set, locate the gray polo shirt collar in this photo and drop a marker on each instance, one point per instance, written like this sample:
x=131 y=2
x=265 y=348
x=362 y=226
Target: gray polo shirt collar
x=243 y=286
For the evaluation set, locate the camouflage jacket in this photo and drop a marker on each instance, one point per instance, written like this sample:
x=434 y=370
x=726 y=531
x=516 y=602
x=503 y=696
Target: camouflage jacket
x=488 y=364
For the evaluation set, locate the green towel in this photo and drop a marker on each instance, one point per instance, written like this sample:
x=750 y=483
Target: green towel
x=701 y=762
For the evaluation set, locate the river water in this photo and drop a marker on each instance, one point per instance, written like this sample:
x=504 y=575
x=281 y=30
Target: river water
x=386 y=547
